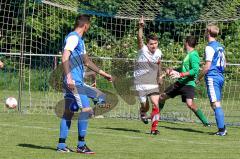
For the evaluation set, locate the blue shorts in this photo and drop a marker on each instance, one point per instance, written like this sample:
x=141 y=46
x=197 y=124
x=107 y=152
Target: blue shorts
x=214 y=87
x=81 y=94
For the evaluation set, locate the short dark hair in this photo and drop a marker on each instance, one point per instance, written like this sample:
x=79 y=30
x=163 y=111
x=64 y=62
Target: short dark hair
x=191 y=40
x=81 y=20
x=152 y=37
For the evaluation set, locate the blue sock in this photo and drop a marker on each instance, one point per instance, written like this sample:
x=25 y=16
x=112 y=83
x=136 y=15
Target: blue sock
x=82 y=127
x=64 y=128
x=219 y=116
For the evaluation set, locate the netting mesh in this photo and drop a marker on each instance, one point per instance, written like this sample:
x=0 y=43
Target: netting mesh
x=170 y=10
x=32 y=35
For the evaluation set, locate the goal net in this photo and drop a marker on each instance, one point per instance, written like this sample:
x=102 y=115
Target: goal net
x=33 y=31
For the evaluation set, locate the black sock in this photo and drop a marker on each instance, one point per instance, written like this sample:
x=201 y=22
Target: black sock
x=61 y=140
x=81 y=138
x=222 y=129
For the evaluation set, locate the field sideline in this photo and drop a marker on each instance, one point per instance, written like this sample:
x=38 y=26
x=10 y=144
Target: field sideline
x=35 y=136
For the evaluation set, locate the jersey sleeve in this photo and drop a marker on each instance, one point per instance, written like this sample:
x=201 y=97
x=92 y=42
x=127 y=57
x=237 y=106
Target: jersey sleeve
x=71 y=43
x=143 y=49
x=209 y=53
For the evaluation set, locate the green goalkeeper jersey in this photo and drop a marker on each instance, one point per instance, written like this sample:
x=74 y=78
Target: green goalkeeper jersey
x=191 y=64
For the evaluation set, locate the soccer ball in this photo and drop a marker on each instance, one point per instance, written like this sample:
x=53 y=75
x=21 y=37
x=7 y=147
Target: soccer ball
x=11 y=103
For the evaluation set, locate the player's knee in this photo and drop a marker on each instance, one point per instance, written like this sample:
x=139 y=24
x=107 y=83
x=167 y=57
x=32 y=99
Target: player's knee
x=88 y=109
x=85 y=114
x=191 y=105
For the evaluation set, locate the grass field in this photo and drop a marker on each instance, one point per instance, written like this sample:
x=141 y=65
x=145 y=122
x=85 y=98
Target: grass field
x=39 y=102
x=36 y=136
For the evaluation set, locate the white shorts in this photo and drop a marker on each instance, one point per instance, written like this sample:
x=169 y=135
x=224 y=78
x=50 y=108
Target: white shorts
x=144 y=90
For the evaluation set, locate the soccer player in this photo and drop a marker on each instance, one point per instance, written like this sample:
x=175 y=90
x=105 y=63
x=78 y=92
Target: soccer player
x=213 y=70
x=76 y=93
x=147 y=76
x=186 y=75
x=1 y=64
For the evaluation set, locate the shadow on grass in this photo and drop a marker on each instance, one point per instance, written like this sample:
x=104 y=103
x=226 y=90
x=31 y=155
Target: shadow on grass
x=122 y=129
x=36 y=146
x=184 y=129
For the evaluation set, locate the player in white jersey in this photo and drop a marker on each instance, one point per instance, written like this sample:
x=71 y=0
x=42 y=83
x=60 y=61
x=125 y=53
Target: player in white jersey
x=213 y=70
x=147 y=76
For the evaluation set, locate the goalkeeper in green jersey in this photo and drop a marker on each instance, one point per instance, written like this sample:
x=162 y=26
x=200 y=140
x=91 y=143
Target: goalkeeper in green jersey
x=186 y=76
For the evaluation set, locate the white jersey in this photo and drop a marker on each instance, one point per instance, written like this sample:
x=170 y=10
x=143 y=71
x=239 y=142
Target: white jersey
x=146 y=68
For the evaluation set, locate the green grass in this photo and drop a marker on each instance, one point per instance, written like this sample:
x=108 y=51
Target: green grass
x=36 y=136
x=45 y=102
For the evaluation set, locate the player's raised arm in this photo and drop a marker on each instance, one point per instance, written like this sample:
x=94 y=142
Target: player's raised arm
x=140 y=33
x=88 y=63
x=1 y=64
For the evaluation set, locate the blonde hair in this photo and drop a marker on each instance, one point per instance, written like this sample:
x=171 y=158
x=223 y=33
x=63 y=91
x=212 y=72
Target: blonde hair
x=213 y=30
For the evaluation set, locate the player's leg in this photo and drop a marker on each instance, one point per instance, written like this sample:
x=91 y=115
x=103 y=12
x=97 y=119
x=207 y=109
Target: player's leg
x=95 y=94
x=162 y=98
x=161 y=103
x=64 y=129
x=214 y=89
x=197 y=111
x=155 y=114
x=103 y=101
x=86 y=111
x=188 y=93
x=69 y=103
x=219 y=117
x=171 y=92
x=83 y=119
x=144 y=103
x=144 y=108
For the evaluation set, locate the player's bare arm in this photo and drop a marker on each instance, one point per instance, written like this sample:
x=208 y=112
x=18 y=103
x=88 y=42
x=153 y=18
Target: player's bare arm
x=92 y=76
x=140 y=33
x=204 y=70
x=1 y=64
x=88 y=63
x=66 y=69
